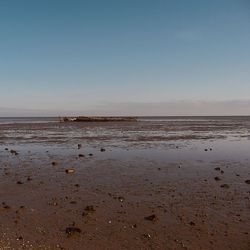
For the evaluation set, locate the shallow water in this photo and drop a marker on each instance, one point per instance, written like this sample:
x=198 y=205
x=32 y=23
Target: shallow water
x=158 y=138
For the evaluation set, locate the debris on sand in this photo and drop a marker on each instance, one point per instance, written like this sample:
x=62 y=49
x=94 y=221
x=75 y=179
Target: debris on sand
x=72 y=230
x=247 y=181
x=70 y=171
x=150 y=217
x=224 y=186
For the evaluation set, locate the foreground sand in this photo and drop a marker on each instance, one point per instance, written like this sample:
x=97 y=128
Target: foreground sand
x=146 y=193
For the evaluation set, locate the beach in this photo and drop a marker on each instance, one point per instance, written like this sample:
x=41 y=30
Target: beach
x=158 y=183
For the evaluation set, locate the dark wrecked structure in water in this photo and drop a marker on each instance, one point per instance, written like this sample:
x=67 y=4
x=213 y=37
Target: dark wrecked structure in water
x=99 y=119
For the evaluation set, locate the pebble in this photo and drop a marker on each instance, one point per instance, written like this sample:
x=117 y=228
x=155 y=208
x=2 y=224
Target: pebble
x=224 y=186
x=70 y=171
x=150 y=217
x=217 y=178
x=72 y=230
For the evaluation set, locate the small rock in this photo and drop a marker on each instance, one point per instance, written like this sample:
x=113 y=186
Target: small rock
x=70 y=171
x=148 y=236
x=29 y=178
x=150 y=217
x=90 y=154
x=217 y=169
x=120 y=198
x=217 y=178
x=224 y=186
x=72 y=230
x=89 y=208
x=54 y=163
x=14 y=152
x=191 y=223
x=19 y=182
x=103 y=149
x=79 y=146
x=247 y=181
x=80 y=155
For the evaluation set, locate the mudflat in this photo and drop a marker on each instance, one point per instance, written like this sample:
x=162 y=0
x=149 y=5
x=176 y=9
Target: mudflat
x=153 y=184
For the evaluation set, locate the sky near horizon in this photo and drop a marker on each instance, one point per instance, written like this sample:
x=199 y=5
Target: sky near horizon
x=125 y=57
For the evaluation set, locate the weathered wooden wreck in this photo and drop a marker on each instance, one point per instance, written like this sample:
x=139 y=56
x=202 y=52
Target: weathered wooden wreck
x=100 y=119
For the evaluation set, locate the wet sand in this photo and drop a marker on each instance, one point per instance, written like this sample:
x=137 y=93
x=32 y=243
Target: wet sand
x=146 y=185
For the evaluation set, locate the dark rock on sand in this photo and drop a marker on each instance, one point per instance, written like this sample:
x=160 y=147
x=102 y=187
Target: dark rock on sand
x=14 y=152
x=89 y=208
x=19 y=182
x=79 y=146
x=90 y=154
x=72 y=230
x=121 y=199
x=224 y=186
x=29 y=178
x=54 y=163
x=150 y=217
x=217 y=178
x=103 y=150
x=217 y=169
x=80 y=155
x=147 y=236
x=247 y=181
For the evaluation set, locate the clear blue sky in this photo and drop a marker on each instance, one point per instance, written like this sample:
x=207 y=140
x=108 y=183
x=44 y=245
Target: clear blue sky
x=86 y=55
